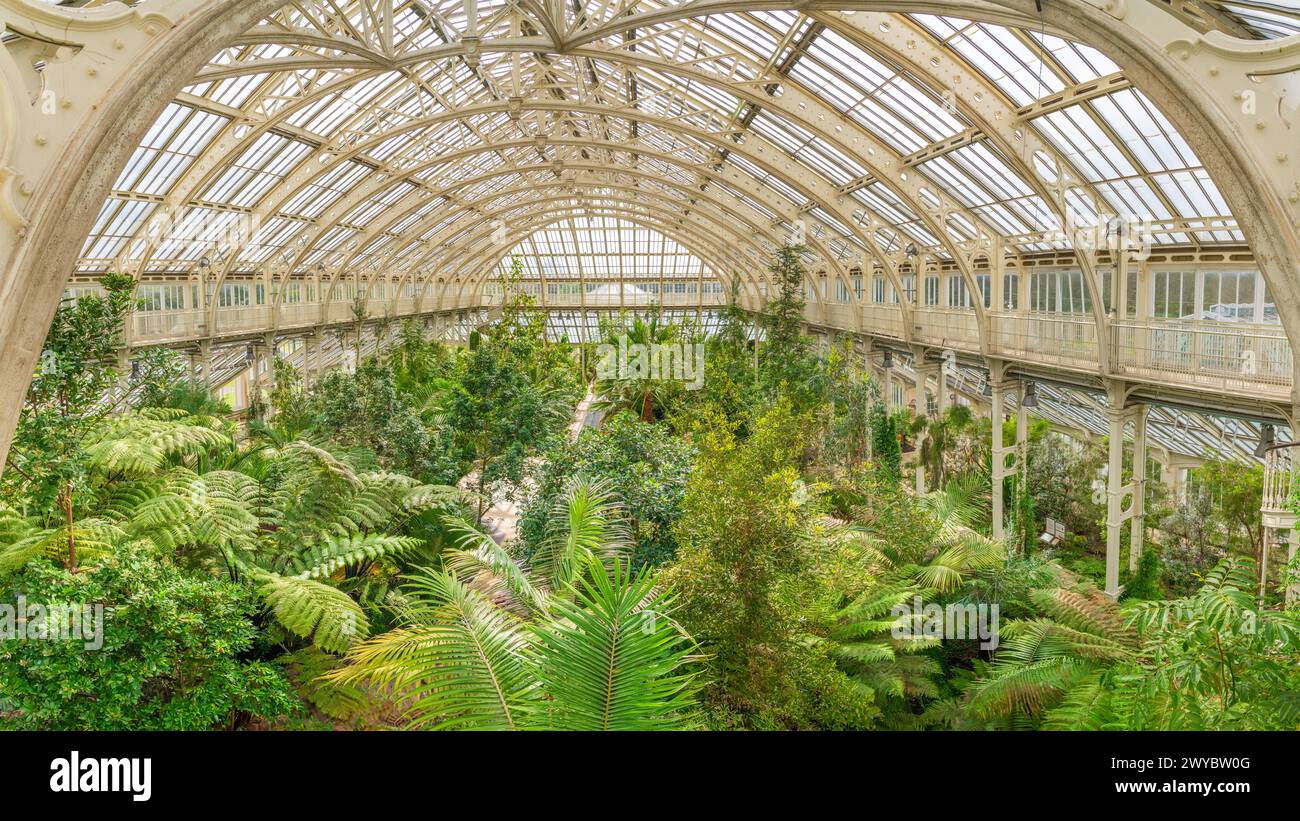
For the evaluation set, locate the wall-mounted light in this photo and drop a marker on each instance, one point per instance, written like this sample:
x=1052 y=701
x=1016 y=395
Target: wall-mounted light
x=888 y=363
x=1267 y=436
x=1030 y=399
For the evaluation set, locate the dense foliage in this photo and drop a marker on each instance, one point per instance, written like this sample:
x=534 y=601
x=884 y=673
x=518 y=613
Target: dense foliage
x=173 y=654
x=442 y=538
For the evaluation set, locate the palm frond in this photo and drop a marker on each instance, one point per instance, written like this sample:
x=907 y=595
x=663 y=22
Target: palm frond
x=463 y=664
x=611 y=660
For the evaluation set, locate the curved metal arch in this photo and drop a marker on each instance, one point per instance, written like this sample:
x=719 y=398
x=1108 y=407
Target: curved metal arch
x=722 y=212
x=476 y=208
x=881 y=159
x=468 y=245
x=472 y=208
x=1089 y=272
x=894 y=177
x=1213 y=136
x=702 y=246
x=497 y=252
x=818 y=111
x=452 y=157
x=896 y=181
x=825 y=198
x=993 y=11
x=905 y=44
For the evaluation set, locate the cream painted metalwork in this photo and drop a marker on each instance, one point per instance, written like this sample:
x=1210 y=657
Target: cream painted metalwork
x=1007 y=180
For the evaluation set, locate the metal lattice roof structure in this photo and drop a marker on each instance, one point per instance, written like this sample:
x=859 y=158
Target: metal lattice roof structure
x=352 y=136
x=1096 y=196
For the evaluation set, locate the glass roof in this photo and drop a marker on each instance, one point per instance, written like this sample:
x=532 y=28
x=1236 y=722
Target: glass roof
x=1263 y=19
x=1181 y=431
x=596 y=248
x=351 y=138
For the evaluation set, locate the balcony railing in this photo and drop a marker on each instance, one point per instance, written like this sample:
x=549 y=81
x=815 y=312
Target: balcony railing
x=886 y=320
x=1224 y=357
x=1050 y=338
x=948 y=327
x=1279 y=477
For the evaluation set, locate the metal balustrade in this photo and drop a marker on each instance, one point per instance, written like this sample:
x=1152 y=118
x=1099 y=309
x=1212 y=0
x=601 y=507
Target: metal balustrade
x=1058 y=339
x=948 y=327
x=1220 y=356
x=885 y=320
x=1279 y=478
x=299 y=315
x=839 y=315
x=1225 y=357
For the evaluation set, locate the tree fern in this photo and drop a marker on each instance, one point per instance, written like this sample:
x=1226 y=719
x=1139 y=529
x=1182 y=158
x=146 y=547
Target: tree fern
x=321 y=560
x=313 y=610
x=308 y=668
x=141 y=444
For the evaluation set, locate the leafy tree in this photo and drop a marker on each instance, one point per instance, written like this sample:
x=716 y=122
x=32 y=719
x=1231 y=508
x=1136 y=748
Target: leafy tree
x=650 y=392
x=1218 y=516
x=425 y=370
x=1145 y=584
x=941 y=453
x=646 y=466
x=498 y=418
x=69 y=395
x=158 y=373
x=365 y=409
x=886 y=449
x=1062 y=476
x=516 y=394
x=852 y=396
x=746 y=573
x=789 y=366
x=730 y=379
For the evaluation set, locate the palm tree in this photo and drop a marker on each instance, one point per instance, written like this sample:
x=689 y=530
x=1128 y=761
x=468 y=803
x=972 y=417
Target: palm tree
x=651 y=392
x=573 y=642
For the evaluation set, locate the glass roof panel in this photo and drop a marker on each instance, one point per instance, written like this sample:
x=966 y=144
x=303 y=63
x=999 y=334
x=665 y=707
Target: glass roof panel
x=354 y=150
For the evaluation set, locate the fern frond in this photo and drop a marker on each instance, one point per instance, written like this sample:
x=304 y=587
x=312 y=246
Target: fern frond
x=321 y=560
x=611 y=660
x=308 y=608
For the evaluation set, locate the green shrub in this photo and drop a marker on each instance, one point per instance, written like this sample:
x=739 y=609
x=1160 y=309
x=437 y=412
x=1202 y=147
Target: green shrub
x=647 y=467
x=1145 y=583
x=170 y=657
